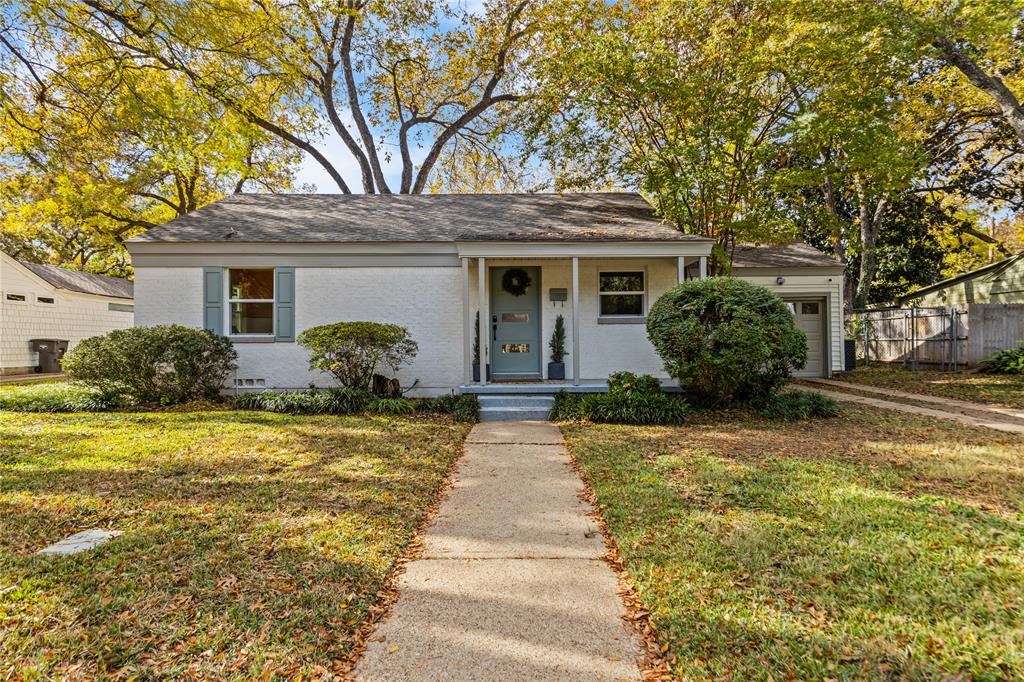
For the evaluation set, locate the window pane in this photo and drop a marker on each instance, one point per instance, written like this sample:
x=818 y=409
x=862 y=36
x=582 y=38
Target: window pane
x=515 y=317
x=622 y=281
x=622 y=304
x=809 y=308
x=252 y=283
x=515 y=348
x=252 y=318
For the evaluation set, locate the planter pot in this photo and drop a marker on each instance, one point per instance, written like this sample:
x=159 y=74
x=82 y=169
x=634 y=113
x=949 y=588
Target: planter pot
x=476 y=372
x=556 y=370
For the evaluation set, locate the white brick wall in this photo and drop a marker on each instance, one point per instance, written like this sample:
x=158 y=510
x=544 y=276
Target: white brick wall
x=72 y=316
x=428 y=301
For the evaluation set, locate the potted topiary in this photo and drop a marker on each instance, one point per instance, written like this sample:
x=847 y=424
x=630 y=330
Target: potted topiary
x=476 y=352
x=556 y=368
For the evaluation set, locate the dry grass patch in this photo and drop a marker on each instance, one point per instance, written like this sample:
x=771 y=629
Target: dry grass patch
x=254 y=545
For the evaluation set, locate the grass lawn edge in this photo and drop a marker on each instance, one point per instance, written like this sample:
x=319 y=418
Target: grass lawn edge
x=653 y=664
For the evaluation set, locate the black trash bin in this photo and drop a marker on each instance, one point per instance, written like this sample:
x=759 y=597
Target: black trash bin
x=50 y=352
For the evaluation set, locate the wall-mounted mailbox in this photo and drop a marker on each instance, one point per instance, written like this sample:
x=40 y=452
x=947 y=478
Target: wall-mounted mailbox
x=559 y=294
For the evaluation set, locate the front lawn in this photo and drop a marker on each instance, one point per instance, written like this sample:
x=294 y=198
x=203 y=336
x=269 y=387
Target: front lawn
x=875 y=545
x=254 y=544
x=994 y=389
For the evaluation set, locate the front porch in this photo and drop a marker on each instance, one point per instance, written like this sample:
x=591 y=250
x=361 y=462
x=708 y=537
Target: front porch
x=603 y=291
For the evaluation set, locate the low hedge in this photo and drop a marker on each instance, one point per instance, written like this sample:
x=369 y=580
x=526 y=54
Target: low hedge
x=796 y=405
x=609 y=409
x=1004 y=362
x=55 y=397
x=327 y=401
x=351 y=401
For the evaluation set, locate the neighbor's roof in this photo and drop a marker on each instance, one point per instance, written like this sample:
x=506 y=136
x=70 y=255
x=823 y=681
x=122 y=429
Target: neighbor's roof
x=985 y=272
x=595 y=216
x=82 y=282
x=796 y=255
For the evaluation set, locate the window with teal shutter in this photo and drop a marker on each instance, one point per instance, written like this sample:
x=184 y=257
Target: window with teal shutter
x=213 y=300
x=285 y=304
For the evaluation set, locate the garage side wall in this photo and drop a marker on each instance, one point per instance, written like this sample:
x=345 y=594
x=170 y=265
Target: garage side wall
x=825 y=283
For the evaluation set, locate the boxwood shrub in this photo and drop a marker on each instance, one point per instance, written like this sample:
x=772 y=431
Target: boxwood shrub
x=725 y=339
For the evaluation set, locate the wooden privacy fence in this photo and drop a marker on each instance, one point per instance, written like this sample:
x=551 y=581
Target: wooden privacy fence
x=948 y=337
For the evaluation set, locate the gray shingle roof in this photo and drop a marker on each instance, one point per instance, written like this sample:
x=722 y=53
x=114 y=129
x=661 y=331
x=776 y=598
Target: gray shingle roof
x=419 y=218
x=796 y=255
x=83 y=282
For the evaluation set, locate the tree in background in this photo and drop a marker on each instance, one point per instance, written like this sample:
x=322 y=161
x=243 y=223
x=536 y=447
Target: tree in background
x=94 y=150
x=722 y=112
x=399 y=79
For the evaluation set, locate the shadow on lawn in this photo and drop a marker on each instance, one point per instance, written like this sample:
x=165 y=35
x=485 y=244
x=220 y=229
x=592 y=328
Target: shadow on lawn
x=251 y=543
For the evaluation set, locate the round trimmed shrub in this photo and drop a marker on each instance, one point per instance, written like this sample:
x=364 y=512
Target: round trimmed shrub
x=163 y=364
x=352 y=351
x=726 y=339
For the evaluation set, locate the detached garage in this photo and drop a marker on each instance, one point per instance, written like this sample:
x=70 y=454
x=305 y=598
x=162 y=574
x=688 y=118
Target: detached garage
x=41 y=304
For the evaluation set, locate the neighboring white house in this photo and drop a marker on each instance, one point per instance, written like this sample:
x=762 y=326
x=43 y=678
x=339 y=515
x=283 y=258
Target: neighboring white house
x=48 y=302
x=262 y=268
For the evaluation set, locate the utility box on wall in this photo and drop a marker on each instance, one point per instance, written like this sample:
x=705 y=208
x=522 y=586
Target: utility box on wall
x=558 y=295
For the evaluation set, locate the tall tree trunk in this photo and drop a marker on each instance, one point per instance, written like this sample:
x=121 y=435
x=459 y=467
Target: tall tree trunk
x=870 y=223
x=993 y=86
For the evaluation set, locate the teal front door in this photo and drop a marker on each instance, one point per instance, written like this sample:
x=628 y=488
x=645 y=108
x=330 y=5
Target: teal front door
x=515 y=322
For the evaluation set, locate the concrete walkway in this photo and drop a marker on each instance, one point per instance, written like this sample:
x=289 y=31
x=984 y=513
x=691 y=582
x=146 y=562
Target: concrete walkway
x=511 y=584
x=975 y=416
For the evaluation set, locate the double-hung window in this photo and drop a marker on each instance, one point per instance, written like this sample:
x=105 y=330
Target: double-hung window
x=622 y=293
x=251 y=301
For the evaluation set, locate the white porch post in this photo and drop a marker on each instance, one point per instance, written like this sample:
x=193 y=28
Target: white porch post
x=680 y=269
x=467 y=327
x=575 y=321
x=485 y=319
x=703 y=267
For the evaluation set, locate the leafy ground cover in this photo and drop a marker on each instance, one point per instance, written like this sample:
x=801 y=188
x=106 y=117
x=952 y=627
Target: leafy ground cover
x=254 y=544
x=993 y=389
x=874 y=545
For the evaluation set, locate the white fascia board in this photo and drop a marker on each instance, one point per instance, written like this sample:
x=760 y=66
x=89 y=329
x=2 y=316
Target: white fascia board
x=290 y=248
x=591 y=249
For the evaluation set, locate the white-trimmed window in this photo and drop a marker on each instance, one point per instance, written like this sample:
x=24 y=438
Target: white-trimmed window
x=622 y=293
x=251 y=301
x=46 y=300
x=15 y=298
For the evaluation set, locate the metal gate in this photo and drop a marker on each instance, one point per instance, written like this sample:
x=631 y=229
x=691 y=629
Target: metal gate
x=936 y=337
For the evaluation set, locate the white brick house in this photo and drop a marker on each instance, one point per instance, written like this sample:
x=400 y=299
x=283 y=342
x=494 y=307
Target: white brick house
x=48 y=302
x=261 y=268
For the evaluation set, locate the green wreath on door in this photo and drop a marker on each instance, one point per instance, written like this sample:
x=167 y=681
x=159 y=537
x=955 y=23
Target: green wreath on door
x=516 y=281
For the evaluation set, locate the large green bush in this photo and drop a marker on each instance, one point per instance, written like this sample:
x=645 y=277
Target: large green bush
x=726 y=339
x=165 y=364
x=352 y=351
x=1004 y=362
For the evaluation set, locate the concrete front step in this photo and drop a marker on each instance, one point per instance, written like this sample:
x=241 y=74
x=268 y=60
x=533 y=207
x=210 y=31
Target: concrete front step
x=537 y=401
x=513 y=407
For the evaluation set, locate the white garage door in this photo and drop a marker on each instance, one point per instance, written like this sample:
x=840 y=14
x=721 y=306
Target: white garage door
x=810 y=319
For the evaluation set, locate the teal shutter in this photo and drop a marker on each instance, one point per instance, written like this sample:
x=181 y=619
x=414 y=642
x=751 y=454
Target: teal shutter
x=284 y=305
x=213 y=300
